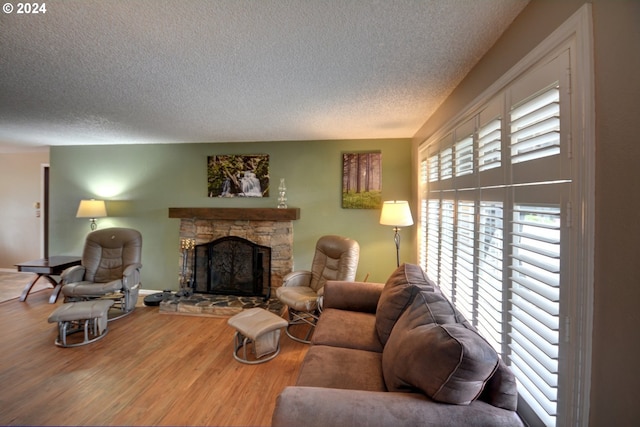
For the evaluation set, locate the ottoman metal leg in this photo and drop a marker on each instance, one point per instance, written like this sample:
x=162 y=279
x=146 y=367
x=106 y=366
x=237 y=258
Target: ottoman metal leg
x=242 y=342
x=88 y=317
x=307 y=318
x=259 y=329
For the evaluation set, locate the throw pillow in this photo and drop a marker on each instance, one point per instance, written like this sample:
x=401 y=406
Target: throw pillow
x=398 y=292
x=501 y=389
x=448 y=362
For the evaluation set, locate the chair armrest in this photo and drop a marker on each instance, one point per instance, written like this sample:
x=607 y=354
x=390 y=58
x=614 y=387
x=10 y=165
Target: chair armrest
x=297 y=278
x=352 y=296
x=131 y=276
x=72 y=274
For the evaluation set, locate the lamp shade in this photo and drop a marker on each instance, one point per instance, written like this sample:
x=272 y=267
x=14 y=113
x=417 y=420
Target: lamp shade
x=91 y=209
x=396 y=213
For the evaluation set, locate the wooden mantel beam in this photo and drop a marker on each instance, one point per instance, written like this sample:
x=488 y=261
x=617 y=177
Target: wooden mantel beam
x=238 y=214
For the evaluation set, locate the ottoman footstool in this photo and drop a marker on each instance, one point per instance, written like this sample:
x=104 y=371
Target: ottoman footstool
x=258 y=327
x=87 y=316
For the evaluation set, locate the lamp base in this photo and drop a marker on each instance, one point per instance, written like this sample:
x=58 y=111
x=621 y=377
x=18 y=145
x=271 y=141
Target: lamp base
x=396 y=240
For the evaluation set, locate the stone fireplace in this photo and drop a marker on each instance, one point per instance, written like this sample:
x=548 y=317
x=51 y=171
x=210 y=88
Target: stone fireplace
x=268 y=227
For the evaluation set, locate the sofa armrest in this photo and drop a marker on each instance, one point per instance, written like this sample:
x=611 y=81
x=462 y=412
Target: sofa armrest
x=352 y=296
x=315 y=406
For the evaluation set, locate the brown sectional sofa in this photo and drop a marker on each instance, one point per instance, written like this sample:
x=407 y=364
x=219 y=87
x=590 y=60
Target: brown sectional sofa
x=397 y=354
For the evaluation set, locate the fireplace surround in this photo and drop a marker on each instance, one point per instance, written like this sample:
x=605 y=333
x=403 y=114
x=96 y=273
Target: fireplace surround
x=268 y=227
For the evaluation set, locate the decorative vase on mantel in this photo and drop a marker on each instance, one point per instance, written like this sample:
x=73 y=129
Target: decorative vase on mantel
x=282 y=195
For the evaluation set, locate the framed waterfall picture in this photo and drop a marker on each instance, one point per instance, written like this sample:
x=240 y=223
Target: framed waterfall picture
x=362 y=180
x=238 y=175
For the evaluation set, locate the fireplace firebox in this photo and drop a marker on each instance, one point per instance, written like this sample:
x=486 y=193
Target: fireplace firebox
x=232 y=266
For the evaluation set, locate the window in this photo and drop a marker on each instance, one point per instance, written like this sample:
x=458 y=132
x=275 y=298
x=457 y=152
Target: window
x=498 y=222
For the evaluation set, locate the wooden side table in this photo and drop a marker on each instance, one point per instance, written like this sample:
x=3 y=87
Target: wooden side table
x=47 y=267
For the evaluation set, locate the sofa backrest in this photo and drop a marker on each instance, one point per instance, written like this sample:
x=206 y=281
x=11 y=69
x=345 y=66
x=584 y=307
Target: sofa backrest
x=398 y=293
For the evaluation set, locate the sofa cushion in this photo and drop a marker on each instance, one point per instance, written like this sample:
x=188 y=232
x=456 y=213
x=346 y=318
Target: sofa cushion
x=398 y=292
x=348 y=329
x=448 y=362
x=343 y=368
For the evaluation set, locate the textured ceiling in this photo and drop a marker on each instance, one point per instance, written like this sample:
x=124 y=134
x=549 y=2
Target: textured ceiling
x=159 y=71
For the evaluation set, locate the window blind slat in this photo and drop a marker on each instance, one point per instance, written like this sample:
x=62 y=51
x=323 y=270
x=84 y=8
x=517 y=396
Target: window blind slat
x=446 y=164
x=434 y=168
x=464 y=156
x=536 y=358
x=535 y=126
x=551 y=292
x=543 y=318
x=550 y=96
x=490 y=145
x=547 y=412
x=540 y=386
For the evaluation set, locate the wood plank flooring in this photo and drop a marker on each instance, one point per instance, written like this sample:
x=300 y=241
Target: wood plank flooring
x=150 y=369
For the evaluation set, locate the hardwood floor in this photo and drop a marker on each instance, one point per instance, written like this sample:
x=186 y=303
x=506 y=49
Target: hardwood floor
x=150 y=369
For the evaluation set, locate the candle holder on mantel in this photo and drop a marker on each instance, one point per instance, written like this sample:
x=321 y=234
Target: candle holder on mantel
x=282 y=198
x=186 y=281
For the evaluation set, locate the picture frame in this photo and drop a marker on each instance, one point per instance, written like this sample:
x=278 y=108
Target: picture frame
x=238 y=175
x=362 y=180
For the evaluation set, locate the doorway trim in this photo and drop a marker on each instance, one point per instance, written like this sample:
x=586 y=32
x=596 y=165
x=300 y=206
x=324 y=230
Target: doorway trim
x=43 y=210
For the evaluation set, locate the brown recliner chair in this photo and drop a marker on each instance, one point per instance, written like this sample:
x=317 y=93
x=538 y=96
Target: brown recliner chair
x=110 y=269
x=336 y=258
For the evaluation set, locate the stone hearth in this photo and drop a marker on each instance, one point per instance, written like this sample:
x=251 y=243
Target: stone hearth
x=217 y=305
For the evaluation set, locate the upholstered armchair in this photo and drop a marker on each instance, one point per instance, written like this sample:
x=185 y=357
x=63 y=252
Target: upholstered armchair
x=335 y=258
x=110 y=269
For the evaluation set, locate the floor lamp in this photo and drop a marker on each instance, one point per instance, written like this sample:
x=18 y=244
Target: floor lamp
x=397 y=214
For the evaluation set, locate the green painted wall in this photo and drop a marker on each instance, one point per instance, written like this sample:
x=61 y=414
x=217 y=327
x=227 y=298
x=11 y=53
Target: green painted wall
x=140 y=183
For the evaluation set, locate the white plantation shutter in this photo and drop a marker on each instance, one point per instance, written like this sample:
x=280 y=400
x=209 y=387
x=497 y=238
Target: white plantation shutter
x=433 y=242
x=490 y=271
x=446 y=248
x=535 y=306
x=496 y=233
x=464 y=294
x=423 y=217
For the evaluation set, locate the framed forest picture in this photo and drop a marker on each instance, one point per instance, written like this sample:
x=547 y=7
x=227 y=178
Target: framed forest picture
x=238 y=175
x=362 y=180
